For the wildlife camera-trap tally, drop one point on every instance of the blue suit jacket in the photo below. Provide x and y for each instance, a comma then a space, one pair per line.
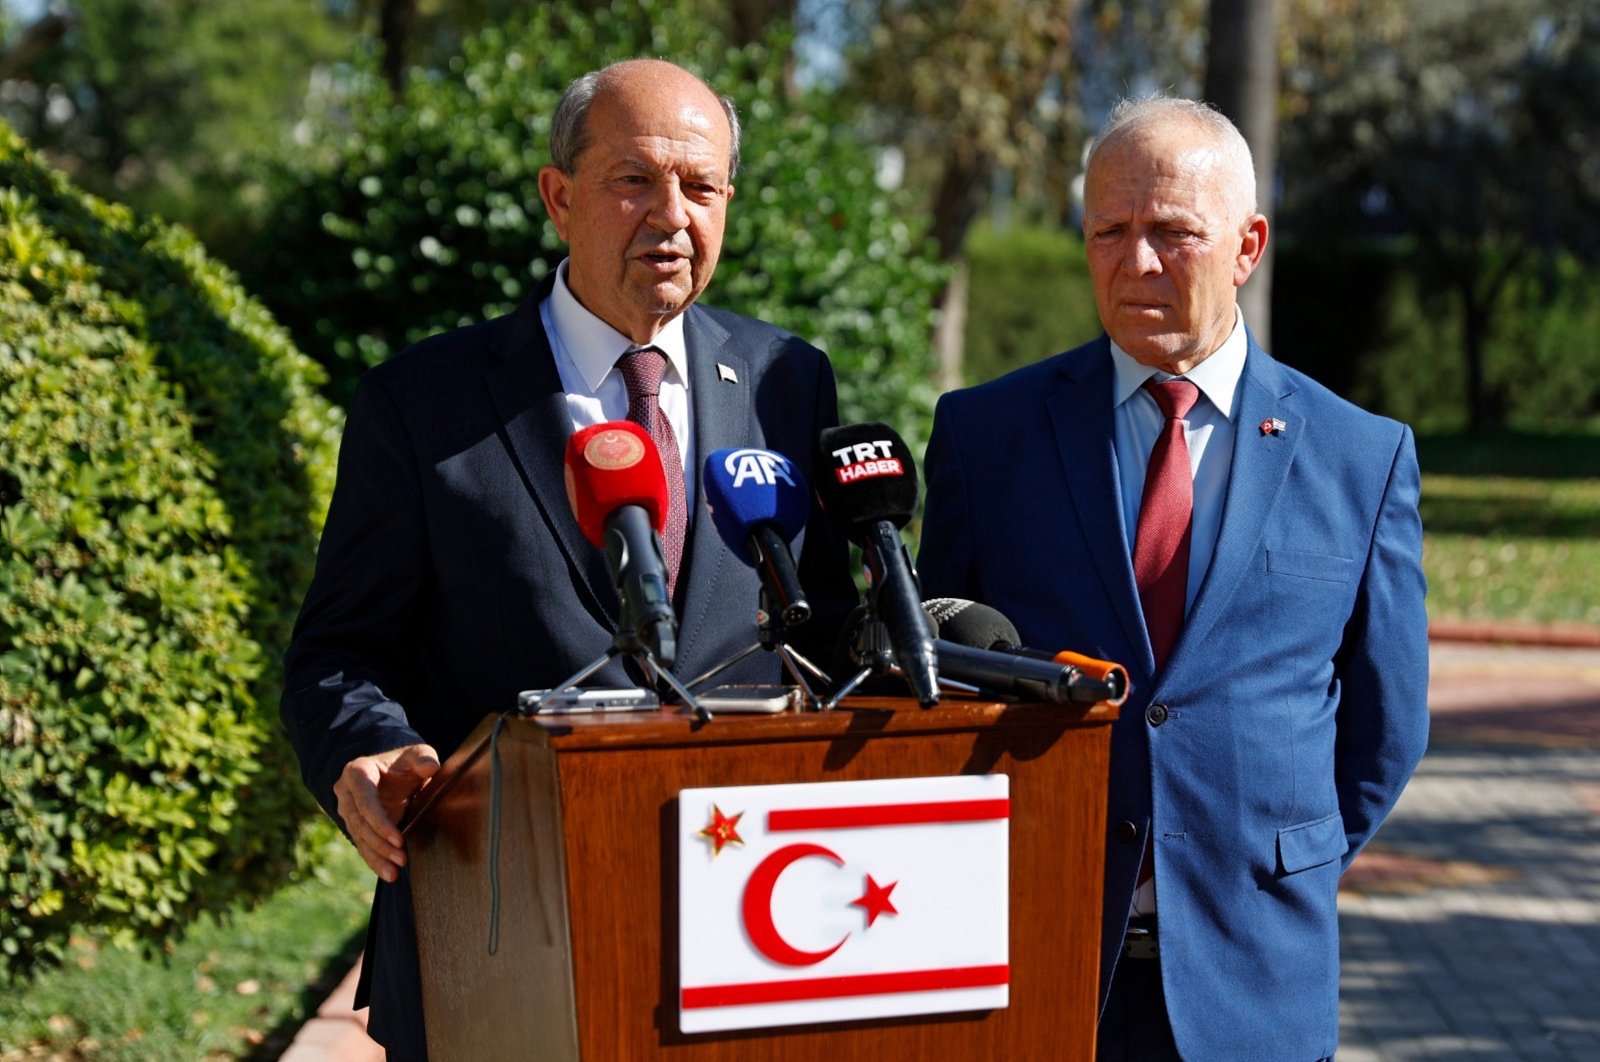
452, 574
1294, 701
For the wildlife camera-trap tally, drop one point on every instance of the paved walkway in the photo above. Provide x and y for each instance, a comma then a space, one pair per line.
1471, 925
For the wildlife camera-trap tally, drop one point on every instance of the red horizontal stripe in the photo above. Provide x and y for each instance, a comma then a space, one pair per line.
836, 987
888, 814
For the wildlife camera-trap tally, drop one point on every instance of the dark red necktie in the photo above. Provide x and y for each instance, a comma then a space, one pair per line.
642, 369
1161, 546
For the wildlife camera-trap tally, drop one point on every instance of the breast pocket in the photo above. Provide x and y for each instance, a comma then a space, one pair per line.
1302, 564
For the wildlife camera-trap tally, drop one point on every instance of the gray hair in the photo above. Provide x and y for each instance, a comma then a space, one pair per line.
1240, 169
569, 126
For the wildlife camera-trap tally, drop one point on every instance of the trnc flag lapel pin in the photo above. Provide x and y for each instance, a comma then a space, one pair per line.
1272, 426
726, 374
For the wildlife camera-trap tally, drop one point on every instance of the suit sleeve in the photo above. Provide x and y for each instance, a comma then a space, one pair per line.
1383, 706
945, 561
343, 662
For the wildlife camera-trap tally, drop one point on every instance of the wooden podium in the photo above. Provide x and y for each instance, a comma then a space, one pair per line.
586, 963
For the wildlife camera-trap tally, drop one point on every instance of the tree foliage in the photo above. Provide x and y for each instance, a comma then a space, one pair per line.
407, 219
160, 103
164, 463
1472, 126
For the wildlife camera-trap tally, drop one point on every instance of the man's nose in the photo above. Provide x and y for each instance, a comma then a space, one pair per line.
1142, 259
670, 211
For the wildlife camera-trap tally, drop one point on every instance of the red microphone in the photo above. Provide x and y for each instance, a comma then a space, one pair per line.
618, 493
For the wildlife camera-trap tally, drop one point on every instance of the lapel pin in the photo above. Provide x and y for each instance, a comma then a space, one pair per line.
726, 373
1272, 426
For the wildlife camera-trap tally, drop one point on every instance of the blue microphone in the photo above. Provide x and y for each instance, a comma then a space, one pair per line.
759, 503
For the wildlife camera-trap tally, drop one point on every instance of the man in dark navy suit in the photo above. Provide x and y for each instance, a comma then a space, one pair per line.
452, 573
1248, 544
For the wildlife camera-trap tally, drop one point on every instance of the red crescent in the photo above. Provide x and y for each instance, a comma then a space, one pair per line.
758, 907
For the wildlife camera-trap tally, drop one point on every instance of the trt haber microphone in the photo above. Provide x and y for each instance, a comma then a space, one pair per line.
867, 481
978, 646
618, 493
759, 503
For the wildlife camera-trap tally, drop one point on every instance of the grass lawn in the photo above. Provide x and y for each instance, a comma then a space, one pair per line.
1511, 526
233, 989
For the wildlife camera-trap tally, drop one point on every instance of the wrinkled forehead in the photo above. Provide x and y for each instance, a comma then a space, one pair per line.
1170, 164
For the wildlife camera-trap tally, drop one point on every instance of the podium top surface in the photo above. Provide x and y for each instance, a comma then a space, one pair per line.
857, 718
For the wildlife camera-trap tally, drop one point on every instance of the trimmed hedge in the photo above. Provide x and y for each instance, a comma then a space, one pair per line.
164, 464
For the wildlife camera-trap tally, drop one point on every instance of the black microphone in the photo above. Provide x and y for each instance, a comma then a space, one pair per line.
867, 481
978, 646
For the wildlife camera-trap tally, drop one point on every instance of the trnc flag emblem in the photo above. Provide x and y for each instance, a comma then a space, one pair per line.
842, 901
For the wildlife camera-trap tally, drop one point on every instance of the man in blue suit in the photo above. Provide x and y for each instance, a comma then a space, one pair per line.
1248, 544
452, 572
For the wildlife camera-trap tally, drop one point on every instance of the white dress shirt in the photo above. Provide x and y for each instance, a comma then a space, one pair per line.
1208, 429
586, 350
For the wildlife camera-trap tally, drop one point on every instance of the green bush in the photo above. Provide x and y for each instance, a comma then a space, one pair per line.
1029, 298
407, 219
164, 463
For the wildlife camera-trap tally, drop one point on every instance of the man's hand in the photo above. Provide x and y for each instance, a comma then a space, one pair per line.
372, 791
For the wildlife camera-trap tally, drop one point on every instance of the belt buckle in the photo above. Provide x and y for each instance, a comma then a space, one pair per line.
1140, 943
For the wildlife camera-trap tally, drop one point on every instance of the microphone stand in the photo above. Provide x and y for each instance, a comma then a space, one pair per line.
873, 652
772, 635
627, 642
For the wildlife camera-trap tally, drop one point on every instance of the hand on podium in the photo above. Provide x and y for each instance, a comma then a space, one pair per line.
372, 791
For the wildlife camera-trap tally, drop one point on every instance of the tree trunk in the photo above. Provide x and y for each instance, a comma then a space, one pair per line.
396, 21
950, 337
1242, 82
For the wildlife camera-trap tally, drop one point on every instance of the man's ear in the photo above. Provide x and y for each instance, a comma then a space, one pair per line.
555, 188
1252, 245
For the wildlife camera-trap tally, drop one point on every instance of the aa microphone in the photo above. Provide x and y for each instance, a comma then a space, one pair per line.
867, 481
978, 646
759, 503
618, 493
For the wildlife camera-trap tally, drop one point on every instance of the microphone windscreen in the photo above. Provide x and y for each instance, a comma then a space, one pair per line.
746, 488
866, 474
971, 624
609, 465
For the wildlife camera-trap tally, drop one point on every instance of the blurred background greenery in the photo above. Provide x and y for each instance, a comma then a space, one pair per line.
359, 174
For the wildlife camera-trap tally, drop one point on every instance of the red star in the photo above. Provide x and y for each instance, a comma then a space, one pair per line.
875, 901
722, 830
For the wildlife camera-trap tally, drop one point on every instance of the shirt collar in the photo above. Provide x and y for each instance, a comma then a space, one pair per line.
1217, 376
594, 346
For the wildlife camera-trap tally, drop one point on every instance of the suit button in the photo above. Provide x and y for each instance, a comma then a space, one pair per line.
1156, 714
1127, 832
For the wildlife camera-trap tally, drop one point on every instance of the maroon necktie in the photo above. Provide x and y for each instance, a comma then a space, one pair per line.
642, 369
1161, 546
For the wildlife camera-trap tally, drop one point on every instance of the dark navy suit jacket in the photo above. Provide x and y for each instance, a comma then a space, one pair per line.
452, 574
1293, 708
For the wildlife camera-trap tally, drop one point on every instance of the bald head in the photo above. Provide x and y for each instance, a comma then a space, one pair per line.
630, 84
1214, 141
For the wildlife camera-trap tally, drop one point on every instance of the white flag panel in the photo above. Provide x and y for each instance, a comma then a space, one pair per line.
837, 901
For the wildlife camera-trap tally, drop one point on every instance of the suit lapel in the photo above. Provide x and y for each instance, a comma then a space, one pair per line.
722, 410
1085, 437
527, 394
1260, 464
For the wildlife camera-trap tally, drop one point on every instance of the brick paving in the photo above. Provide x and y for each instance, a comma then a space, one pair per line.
1471, 925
